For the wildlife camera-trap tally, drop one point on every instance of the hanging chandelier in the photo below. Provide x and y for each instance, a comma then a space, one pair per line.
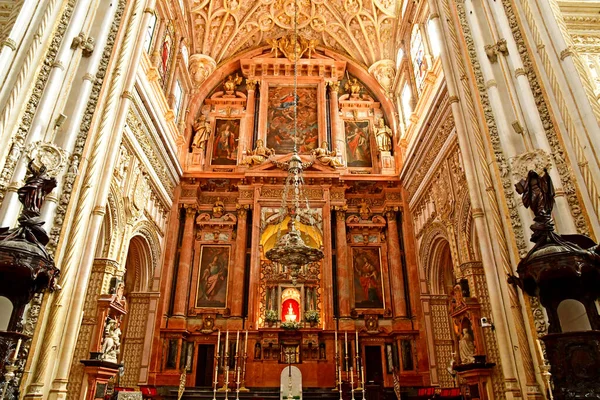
290, 249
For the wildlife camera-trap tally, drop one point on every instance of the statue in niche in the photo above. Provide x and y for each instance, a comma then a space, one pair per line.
202, 131
353, 87
232, 83
383, 134
258, 155
326, 156
119, 295
466, 348
111, 343
257, 350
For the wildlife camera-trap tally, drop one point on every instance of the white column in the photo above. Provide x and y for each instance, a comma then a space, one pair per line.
480, 208
10, 206
562, 214
108, 144
79, 100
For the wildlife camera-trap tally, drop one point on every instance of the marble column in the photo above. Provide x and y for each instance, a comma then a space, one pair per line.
343, 270
237, 269
183, 271
337, 137
395, 266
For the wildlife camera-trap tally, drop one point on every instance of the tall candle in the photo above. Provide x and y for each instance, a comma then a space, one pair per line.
227, 344
336, 343
16, 355
346, 342
237, 340
356, 343
218, 342
246, 344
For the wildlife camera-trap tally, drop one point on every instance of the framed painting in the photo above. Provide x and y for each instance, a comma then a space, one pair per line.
280, 120
358, 146
212, 279
225, 145
368, 285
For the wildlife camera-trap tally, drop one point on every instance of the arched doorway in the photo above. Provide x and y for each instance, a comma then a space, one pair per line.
440, 277
135, 347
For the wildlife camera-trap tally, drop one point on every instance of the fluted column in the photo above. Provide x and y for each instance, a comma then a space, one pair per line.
237, 271
343, 270
395, 266
183, 271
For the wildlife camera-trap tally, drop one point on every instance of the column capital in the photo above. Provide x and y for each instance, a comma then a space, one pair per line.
190, 209
251, 84
390, 212
334, 86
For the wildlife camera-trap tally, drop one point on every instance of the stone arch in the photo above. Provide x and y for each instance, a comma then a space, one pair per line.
432, 234
435, 256
229, 67
143, 252
116, 209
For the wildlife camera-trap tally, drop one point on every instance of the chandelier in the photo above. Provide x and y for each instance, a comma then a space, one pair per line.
290, 250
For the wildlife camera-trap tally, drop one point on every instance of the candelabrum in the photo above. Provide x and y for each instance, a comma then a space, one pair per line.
352, 381
237, 389
338, 378
216, 375
358, 381
244, 388
547, 378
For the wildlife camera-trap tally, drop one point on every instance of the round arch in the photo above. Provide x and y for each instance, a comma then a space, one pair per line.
231, 65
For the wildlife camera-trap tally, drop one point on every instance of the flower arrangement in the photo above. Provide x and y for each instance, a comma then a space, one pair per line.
290, 325
311, 316
271, 316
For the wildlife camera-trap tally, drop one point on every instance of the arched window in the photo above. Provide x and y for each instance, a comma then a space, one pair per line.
150, 29
406, 103
399, 57
417, 55
178, 95
434, 38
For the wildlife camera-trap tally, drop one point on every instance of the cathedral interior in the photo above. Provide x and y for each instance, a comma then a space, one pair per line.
296, 198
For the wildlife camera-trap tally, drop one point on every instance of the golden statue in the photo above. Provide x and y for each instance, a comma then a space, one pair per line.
353, 87
218, 208
232, 83
383, 134
292, 48
326, 157
258, 155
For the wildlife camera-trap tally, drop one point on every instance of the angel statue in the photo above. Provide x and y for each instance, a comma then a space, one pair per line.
202, 131
258, 155
232, 83
326, 157
353, 87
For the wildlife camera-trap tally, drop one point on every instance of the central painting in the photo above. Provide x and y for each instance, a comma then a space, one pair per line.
280, 120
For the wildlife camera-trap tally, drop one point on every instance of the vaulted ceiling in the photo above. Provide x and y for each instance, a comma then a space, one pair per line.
363, 30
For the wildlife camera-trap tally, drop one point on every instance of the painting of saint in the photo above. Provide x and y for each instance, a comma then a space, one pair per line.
358, 147
165, 56
280, 120
368, 288
212, 279
225, 146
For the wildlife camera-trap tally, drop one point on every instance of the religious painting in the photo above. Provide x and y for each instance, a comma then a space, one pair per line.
280, 120
417, 54
225, 145
212, 279
368, 286
358, 146
166, 54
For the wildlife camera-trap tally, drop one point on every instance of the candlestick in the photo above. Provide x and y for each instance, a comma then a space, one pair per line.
356, 342
217, 353
362, 373
246, 343
352, 381
340, 380
346, 342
